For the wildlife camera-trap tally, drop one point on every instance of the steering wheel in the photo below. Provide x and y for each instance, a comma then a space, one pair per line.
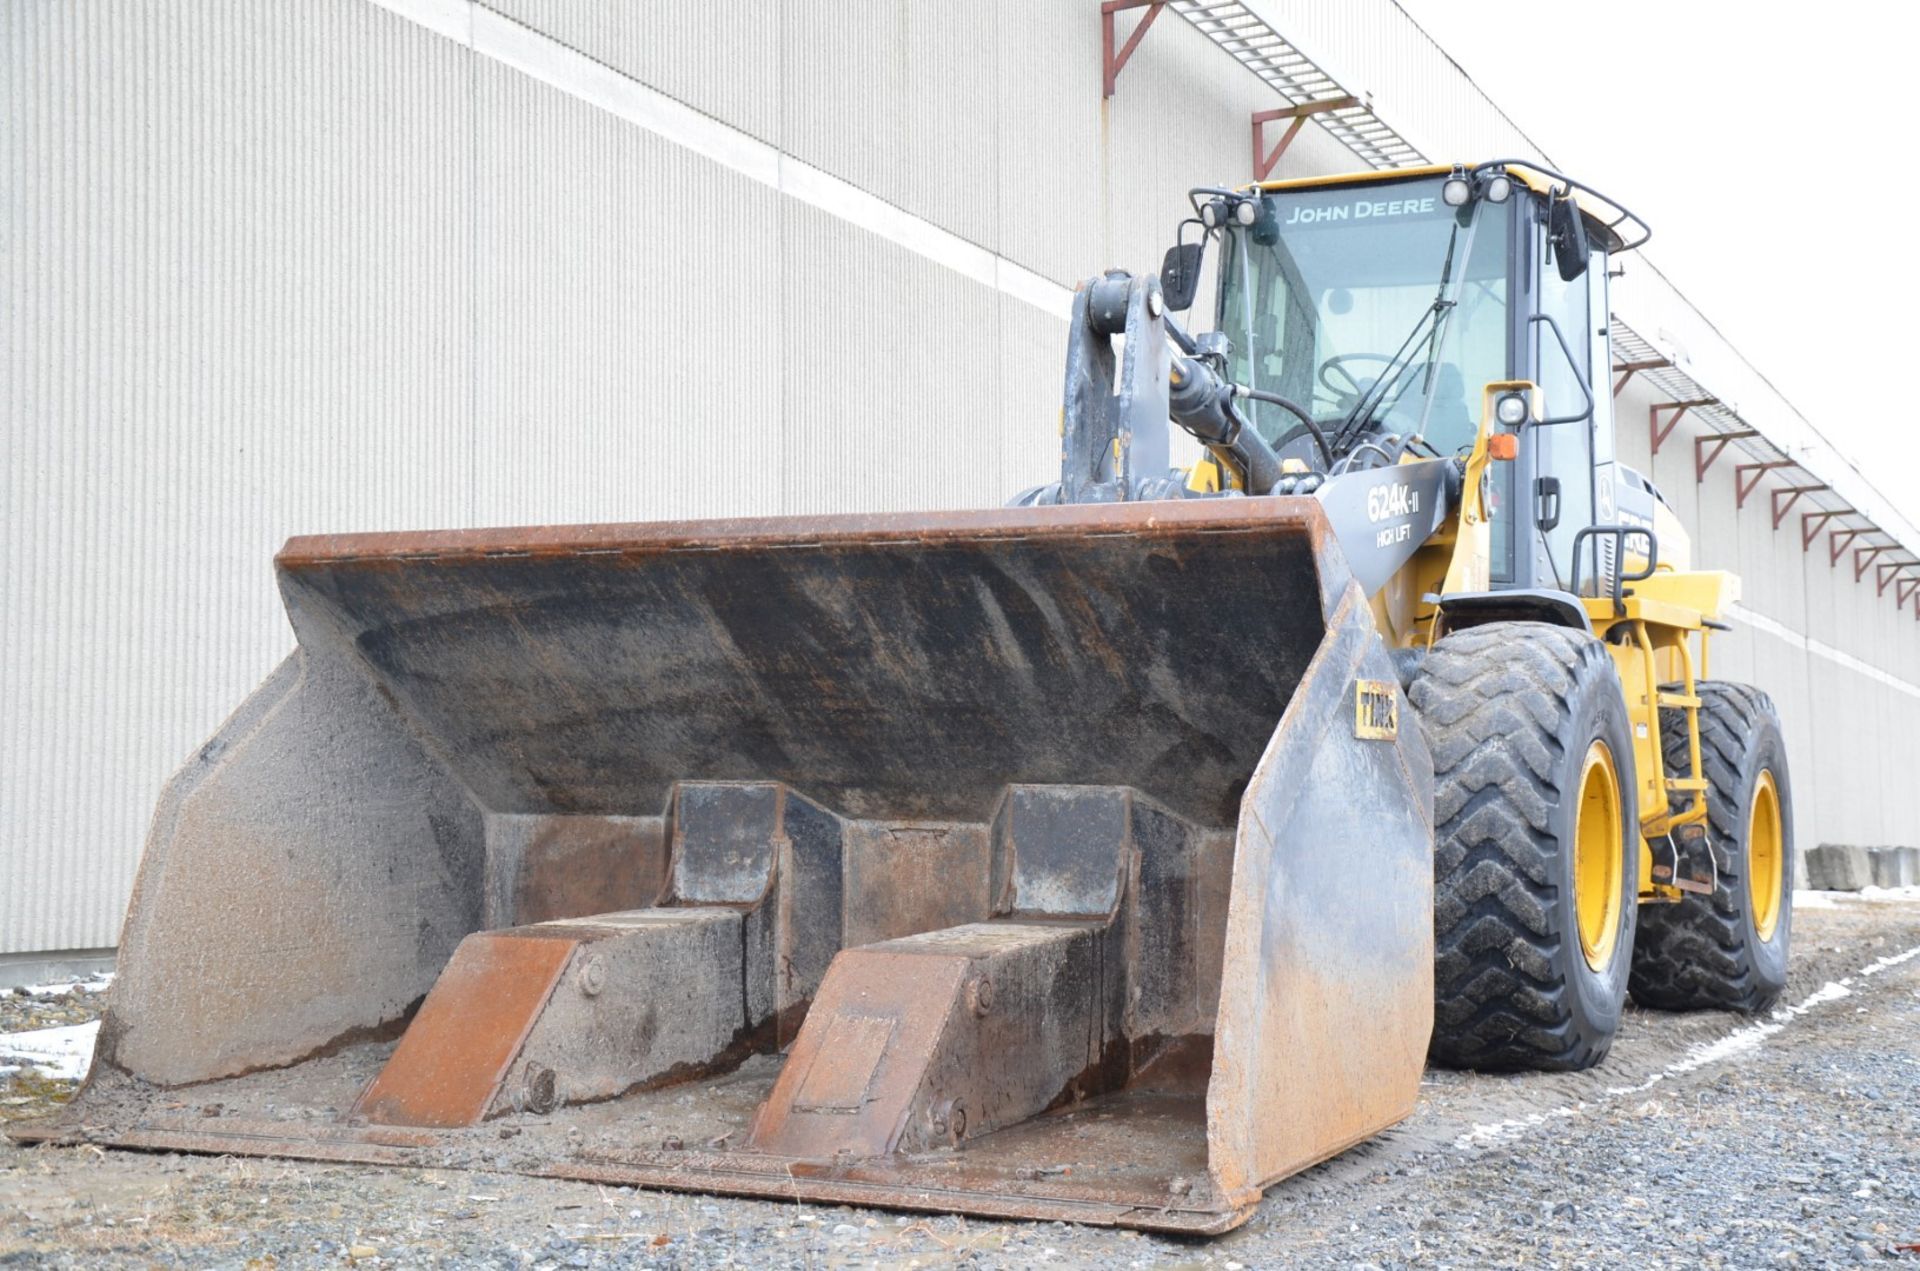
1402, 381
1354, 389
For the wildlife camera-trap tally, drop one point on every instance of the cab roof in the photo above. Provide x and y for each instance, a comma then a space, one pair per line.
1616, 227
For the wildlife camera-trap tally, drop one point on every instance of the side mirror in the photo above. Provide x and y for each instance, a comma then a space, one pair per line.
1568, 235
1180, 274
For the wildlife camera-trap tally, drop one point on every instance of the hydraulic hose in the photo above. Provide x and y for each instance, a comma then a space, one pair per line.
1202, 403
1295, 408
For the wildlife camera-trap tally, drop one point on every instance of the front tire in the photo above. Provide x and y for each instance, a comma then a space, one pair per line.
1536, 851
1727, 951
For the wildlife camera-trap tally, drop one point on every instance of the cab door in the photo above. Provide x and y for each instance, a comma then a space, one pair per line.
1559, 495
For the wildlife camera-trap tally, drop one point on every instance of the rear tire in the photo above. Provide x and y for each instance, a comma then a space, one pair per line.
1727, 951
1516, 714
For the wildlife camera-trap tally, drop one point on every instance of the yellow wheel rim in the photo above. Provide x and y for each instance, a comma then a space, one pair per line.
1766, 856
1598, 857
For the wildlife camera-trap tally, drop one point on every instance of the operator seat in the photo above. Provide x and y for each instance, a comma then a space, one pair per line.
1450, 422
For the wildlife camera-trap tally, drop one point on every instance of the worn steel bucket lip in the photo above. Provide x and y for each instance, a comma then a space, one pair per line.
1239, 515
710, 1172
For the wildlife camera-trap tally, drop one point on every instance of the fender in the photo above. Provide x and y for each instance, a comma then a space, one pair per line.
1475, 608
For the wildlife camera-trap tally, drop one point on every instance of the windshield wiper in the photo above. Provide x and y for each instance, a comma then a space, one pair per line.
1394, 371
1397, 367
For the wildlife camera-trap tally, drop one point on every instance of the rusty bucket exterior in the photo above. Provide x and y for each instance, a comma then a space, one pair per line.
1058, 862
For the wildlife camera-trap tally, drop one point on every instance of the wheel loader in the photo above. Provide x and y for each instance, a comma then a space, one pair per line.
1103, 857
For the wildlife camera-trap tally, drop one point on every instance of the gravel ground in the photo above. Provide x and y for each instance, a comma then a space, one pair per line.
1705, 1140
26, 1091
48, 1006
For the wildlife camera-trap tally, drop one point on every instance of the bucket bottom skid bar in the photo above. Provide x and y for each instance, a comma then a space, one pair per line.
1065, 862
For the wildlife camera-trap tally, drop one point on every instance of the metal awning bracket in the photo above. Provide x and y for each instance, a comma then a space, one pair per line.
1703, 458
1305, 85
1863, 557
1112, 61
1627, 370
1264, 160
1838, 542
1792, 493
1744, 486
1811, 523
1657, 433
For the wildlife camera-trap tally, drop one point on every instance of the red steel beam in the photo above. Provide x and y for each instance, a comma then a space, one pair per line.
1702, 460
1837, 544
1742, 487
1887, 571
1264, 160
1112, 63
1654, 431
1863, 557
1793, 493
1904, 589
1627, 370
1811, 523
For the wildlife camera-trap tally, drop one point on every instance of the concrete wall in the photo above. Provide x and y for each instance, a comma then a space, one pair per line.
351, 264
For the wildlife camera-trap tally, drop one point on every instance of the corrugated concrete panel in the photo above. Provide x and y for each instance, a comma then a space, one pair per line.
1032, 373
891, 393
898, 98
949, 116
1771, 578
628, 339
1052, 214
233, 264
719, 56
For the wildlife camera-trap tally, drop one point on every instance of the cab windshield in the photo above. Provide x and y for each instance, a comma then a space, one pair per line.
1376, 307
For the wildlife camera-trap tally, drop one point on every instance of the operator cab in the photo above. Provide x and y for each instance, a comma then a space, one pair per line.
1380, 305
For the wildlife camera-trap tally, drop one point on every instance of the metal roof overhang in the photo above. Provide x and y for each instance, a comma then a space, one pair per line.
1309, 89
1753, 455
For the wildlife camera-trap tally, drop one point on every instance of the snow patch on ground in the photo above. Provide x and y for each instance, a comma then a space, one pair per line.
62, 1054
1480, 1134
1891, 960
1738, 1042
1873, 895
1831, 991
60, 988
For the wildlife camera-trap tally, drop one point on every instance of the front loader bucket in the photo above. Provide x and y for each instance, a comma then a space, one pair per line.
1064, 862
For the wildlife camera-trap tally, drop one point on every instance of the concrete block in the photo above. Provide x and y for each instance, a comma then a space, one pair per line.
1838, 867
1895, 866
